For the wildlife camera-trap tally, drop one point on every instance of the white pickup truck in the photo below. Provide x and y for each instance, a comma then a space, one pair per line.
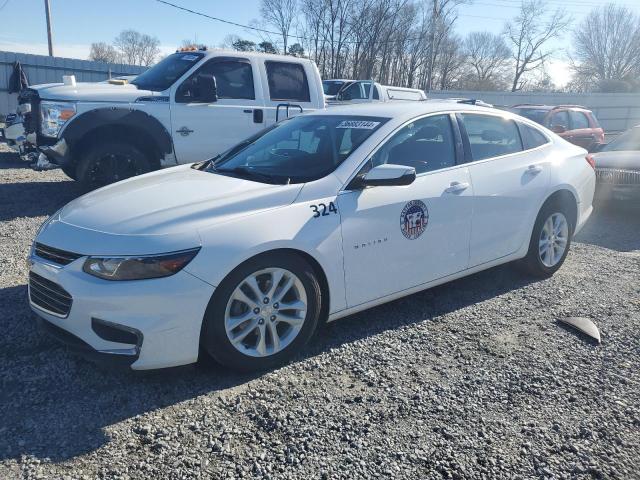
189, 107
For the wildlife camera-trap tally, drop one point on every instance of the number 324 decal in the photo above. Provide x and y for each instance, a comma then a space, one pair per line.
322, 210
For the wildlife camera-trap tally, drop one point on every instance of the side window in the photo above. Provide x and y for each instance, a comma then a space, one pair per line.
426, 144
234, 80
578, 120
532, 137
560, 118
359, 91
491, 136
287, 81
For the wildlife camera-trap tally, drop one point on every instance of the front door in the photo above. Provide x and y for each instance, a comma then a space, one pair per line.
204, 128
398, 237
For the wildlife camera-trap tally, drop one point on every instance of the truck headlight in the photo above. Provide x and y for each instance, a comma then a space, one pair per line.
139, 267
54, 115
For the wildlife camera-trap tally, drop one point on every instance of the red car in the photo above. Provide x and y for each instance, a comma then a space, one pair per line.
574, 123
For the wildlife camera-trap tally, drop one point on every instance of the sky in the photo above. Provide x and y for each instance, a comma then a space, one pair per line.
78, 23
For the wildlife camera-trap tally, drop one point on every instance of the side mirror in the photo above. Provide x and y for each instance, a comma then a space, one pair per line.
558, 128
208, 88
388, 175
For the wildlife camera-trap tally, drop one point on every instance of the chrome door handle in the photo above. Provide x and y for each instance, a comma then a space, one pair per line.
184, 131
457, 187
534, 169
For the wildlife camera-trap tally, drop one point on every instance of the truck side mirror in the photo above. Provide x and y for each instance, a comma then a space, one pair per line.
208, 88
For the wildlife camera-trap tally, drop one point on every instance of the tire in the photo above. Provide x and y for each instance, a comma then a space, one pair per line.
70, 171
543, 262
223, 312
110, 162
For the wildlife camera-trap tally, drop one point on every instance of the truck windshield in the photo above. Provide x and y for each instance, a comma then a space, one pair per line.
299, 150
332, 87
163, 74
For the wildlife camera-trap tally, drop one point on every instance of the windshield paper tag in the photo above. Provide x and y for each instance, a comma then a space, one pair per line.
189, 58
361, 124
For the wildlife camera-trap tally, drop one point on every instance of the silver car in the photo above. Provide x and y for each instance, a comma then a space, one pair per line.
618, 167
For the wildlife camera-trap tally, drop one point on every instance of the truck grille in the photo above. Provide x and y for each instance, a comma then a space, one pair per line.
55, 255
616, 176
49, 296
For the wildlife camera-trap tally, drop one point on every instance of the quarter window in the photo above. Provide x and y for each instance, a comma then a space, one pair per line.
532, 137
426, 144
234, 80
491, 136
287, 81
578, 120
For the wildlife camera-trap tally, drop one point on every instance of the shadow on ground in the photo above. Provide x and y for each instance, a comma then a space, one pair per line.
53, 404
614, 225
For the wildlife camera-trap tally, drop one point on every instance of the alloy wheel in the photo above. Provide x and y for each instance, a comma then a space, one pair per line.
554, 238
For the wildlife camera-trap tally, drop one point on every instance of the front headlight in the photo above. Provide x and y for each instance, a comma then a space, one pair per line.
54, 115
139, 267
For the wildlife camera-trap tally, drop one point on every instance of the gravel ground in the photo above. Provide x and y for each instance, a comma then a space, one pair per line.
473, 379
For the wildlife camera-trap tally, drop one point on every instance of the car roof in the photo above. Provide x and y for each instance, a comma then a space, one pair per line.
550, 107
403, 108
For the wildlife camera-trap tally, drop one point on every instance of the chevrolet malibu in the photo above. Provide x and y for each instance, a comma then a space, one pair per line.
318, 217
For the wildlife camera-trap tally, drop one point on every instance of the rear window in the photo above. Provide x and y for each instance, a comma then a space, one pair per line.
287, 81
491, 136
532, 137
535, 114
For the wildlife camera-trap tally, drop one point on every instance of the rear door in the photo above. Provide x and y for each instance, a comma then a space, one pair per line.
203, 129
398, 237
287, 88
509, 184
581, 132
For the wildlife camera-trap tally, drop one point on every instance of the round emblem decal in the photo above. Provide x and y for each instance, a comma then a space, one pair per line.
414, 219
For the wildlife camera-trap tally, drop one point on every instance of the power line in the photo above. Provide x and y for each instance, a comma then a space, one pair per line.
299, 37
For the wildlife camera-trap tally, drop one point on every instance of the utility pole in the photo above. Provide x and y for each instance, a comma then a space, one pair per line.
432, 40
47, 9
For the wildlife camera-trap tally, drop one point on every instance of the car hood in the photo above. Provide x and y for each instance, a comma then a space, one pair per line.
624, 159
87, 92
159, 212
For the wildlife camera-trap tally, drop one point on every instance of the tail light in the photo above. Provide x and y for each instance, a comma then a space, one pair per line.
591, 160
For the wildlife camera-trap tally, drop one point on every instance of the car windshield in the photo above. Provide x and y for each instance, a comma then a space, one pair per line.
629, 140
535, 114
162, 75
303, 149
332, 87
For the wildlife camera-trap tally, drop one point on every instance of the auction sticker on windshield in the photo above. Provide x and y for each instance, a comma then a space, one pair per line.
362, 124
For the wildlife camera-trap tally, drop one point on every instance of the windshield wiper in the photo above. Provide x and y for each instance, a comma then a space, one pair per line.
245, 170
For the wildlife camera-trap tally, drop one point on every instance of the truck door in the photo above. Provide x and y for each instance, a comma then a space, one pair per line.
289, 83
203, 128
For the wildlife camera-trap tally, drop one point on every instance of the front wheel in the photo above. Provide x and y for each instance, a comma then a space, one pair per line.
109, 162
263, 313
550, 241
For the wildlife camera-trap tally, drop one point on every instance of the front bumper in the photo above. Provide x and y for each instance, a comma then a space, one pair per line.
166, 312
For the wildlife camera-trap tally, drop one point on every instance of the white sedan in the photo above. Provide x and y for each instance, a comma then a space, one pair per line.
316, 218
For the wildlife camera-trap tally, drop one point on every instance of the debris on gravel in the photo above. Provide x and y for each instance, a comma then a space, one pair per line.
473, 379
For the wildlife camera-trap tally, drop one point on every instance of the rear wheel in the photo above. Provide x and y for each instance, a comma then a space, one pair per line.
550, 241
263, 313
110, 162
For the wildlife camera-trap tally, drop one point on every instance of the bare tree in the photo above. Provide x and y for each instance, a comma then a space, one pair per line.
137, 48
449, 62
529, 33
607, 47
487, 56
103, 52
281, 15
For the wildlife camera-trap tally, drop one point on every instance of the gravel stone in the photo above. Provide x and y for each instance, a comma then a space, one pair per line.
473, 379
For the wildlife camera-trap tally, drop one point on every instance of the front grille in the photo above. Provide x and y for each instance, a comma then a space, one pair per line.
55, 255
49, 295
618, 176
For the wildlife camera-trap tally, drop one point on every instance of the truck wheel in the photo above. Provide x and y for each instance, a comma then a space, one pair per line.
263, 313
107, 163
70, 171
